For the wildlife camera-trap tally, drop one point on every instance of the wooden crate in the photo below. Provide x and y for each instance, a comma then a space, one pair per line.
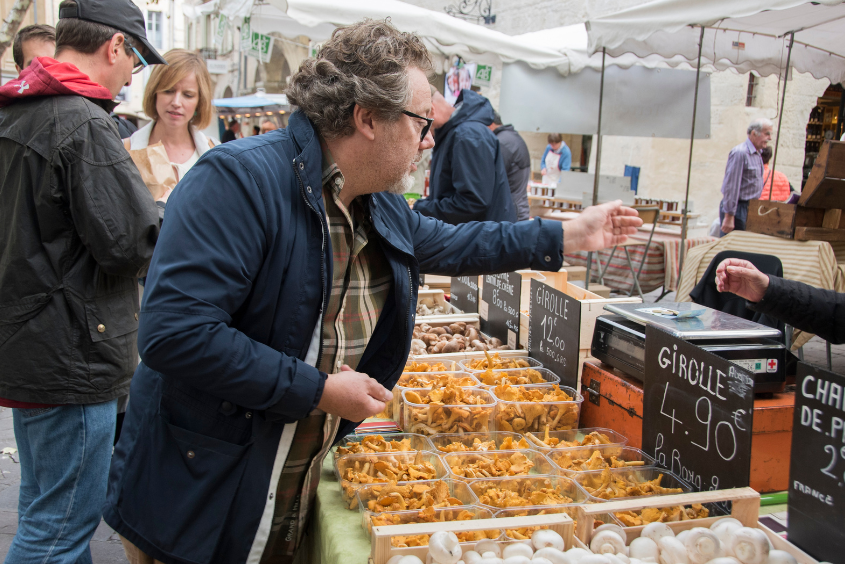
381, 550
745, 508
818, 214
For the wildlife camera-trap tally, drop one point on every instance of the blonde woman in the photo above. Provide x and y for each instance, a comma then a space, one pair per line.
178, 99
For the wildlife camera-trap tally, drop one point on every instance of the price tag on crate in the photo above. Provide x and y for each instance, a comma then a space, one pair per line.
554, 331
501, 295
464, 293
697, 413
817, 469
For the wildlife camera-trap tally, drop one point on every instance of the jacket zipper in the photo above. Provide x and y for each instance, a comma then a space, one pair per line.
322, 263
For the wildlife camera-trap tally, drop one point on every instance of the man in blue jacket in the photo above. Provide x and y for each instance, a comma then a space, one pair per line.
468, 180
279, 306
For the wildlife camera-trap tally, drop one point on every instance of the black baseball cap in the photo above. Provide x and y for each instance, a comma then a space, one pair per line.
119, 14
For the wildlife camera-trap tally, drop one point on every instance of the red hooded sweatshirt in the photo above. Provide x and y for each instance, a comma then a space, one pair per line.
48, 77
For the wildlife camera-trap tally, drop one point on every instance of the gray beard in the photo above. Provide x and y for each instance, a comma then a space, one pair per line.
403, 185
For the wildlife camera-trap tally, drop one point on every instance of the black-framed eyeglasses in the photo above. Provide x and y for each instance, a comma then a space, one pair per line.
426, 127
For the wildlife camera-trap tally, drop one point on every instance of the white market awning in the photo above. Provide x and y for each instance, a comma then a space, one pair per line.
747, 35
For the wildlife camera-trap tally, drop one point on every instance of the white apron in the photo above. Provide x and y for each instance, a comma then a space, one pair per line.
551, 165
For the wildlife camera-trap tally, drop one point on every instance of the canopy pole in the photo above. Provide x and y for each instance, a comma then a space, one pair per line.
685, 219
780, 117
598, 164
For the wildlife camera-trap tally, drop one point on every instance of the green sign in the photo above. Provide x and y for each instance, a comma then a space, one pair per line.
246, 34
261, 47
483, 75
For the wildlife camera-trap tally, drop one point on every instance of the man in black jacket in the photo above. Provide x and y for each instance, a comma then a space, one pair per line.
517, 163
804, 307
77, 228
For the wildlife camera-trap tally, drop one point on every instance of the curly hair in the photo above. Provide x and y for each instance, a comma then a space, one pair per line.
365, 64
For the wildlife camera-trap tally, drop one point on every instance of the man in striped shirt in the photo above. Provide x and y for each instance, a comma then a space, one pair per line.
743, 176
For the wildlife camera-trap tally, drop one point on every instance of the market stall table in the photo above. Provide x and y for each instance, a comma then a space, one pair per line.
660, 268
817, 263
337, 536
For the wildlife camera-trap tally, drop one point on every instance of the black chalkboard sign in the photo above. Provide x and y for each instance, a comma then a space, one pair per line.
697, 413
817, 469
499, 308
464, 293
554, 331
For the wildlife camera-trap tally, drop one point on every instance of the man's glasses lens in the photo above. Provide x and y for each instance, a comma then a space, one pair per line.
142, 63
426, 127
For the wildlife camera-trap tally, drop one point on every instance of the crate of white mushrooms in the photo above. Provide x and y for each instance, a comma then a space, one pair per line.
735, 539
546, 546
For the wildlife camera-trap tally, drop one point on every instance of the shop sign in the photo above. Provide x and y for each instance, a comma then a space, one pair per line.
817, 468
217, 67
261, 47
464, 293
483, 75
246, 34
554, 331
499, 307
313, 49
697, 413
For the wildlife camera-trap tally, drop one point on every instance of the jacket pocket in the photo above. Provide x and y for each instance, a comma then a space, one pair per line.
178, 489
111, 316
14, 315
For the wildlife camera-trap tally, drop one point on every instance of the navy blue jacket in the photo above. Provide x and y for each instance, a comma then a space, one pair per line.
240, 275
468, 181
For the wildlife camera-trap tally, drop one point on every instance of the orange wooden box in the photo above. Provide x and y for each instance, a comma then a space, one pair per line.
615, 401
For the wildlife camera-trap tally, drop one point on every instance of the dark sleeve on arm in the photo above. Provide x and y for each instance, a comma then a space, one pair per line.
473, 180
213, 245
112, 209
810, 309
486, 247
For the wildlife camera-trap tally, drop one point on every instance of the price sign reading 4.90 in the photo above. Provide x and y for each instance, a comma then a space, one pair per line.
499, 308
554, 329
697, 413
464, 293
817, 467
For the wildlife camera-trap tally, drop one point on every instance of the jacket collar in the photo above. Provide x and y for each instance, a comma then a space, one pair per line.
141, 138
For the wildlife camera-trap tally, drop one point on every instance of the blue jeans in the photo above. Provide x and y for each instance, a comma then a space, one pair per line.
65, 454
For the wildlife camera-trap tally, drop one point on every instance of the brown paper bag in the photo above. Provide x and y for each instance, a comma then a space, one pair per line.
155, 168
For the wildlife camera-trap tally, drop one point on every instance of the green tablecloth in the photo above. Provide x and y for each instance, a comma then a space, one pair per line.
338, 537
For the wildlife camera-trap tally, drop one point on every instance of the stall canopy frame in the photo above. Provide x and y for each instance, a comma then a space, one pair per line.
748, 35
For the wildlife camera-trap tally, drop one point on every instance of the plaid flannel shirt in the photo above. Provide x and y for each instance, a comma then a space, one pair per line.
361, 281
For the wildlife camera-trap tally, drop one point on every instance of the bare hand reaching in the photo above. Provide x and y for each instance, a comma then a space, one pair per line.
353, 395
740, 277
600, 227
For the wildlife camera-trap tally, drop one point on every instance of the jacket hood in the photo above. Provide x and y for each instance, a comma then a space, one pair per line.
48, 77
475, 107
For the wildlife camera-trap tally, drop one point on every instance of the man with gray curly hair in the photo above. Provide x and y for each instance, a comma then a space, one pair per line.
279, 307
743, 176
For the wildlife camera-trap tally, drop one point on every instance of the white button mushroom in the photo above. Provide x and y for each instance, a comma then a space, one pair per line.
471, 557
488, 545
724, 560
488, 555
644, 548
490, 559
545, 537
724, 520
656, 531
518, 559
611, 527
540, 560
613, 558
608, 542
682, 535
780, 557
750, 546
409, 560
595, 559
576, 554
725, 532
444, 547
623, 558
395, 559
518, 549
702, 546
553, 555
672, 551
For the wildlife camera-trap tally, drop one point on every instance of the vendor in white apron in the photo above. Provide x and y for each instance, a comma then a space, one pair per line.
556, 158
